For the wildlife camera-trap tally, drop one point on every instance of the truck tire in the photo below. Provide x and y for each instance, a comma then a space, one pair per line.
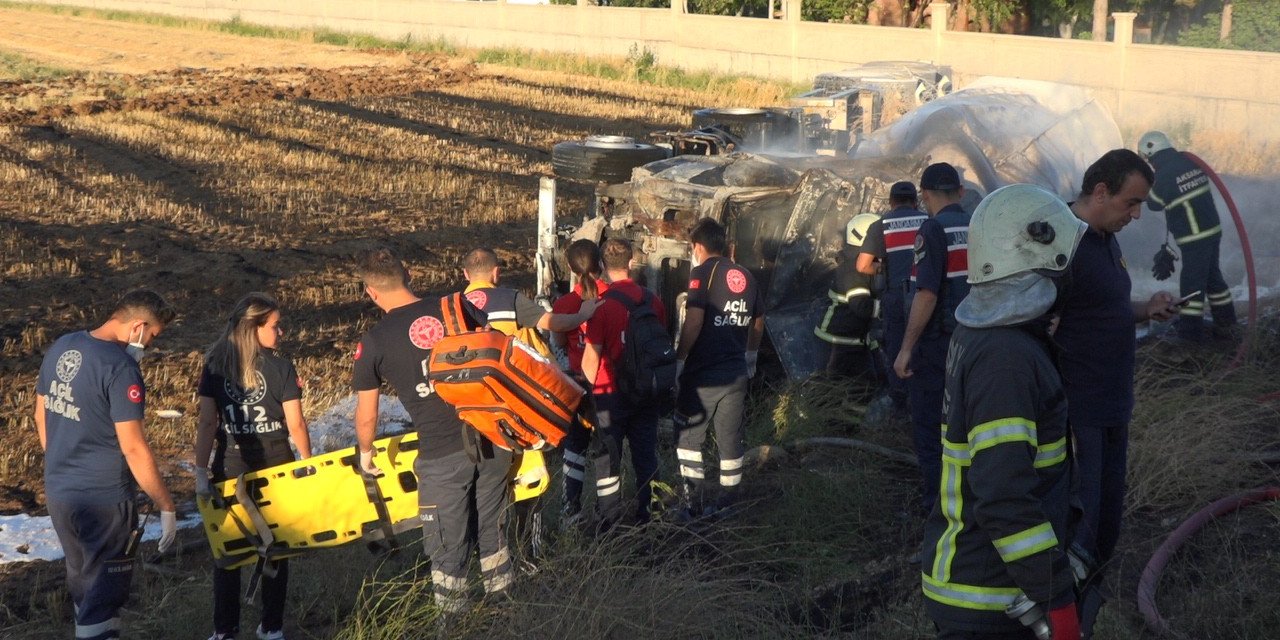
607, 159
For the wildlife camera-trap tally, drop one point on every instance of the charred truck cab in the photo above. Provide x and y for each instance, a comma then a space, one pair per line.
786, 199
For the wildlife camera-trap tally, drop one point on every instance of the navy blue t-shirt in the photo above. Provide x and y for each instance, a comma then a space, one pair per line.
88, 386
1096, 335
730, 299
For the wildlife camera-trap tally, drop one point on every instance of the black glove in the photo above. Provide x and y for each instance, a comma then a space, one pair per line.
1162, 265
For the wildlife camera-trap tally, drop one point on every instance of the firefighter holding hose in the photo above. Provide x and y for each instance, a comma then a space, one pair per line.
1182, 191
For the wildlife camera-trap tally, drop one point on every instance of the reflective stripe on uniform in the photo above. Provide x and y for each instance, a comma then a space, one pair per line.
1207, 233
575, 458
494, 560
1024, 543
448, 582
967, 596
608, 486
1192, 308
842, 298
95, 630
1050, 454
690, 463
498, 582
996, 432
572, 472
1222, 298
731, 472
951, 502
501, 315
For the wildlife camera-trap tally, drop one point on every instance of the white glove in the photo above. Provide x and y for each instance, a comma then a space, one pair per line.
752, 357
367, 465
168, 530
203, 489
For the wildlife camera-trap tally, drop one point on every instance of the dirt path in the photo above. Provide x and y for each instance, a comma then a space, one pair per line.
84, 44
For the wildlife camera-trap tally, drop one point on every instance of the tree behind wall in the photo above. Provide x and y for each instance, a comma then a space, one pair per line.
1255, 25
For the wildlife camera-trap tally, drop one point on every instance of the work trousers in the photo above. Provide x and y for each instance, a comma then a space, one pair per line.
719, 406
895, 325
619, 419
526, 525
230, 461
1200, 272
1101, 456
574, 447
925, 390
94, 539
462, 504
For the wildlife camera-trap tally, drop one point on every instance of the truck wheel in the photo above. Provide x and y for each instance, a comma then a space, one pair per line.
608, 159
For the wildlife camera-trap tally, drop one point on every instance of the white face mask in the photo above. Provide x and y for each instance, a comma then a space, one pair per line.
136, 349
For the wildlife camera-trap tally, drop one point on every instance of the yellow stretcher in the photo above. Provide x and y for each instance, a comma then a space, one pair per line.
325, 501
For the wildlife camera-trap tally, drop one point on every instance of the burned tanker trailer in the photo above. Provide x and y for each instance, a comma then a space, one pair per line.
786, 211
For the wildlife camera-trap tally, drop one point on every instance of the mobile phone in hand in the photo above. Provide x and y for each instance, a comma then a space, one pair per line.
1182, 302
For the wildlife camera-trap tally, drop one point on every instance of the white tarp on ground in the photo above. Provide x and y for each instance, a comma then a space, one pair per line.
999, 131
24, 537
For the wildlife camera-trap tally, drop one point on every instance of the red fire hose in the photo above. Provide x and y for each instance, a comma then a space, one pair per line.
1247, 343
1151, 573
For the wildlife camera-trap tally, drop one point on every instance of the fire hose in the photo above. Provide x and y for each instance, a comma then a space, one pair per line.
1245, 345
1151, 573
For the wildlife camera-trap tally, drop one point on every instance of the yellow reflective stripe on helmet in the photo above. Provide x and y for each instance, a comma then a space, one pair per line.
951, 502
1027, 542
990, 434
968, 596
1051, 454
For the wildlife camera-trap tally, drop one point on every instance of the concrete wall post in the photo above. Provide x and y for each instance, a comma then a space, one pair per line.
939, 15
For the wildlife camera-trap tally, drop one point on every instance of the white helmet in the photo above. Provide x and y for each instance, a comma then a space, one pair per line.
855, 233
1021, 228
1016, 235
1151, 142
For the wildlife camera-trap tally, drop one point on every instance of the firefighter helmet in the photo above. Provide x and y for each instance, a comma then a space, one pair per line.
1021, 228
1152, 142
856, 231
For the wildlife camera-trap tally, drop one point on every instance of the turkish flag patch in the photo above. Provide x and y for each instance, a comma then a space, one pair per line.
359, 350
135, 393
695, 284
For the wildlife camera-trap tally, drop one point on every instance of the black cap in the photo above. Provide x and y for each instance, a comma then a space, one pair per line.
902, 190
940, 177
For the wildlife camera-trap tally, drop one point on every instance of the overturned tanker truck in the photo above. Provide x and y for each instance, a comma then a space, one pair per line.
786, 203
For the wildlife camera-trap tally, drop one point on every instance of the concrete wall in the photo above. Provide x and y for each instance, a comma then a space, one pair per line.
1144, 85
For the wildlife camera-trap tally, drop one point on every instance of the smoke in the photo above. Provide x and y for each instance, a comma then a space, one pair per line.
1257, 199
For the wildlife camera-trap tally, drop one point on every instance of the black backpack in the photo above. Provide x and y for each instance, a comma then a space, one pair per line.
648, 366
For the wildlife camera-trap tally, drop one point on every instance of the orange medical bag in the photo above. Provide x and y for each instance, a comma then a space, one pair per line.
515, 397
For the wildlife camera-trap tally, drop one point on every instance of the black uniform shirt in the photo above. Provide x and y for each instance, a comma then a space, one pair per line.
728, 295
253, 418
398, 350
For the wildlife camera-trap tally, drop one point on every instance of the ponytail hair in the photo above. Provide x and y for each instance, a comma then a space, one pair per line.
235, 355
583, 257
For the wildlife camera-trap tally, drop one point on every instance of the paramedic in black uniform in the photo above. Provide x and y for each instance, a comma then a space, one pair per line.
717, 350
90, 400
461, 476
250, 406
